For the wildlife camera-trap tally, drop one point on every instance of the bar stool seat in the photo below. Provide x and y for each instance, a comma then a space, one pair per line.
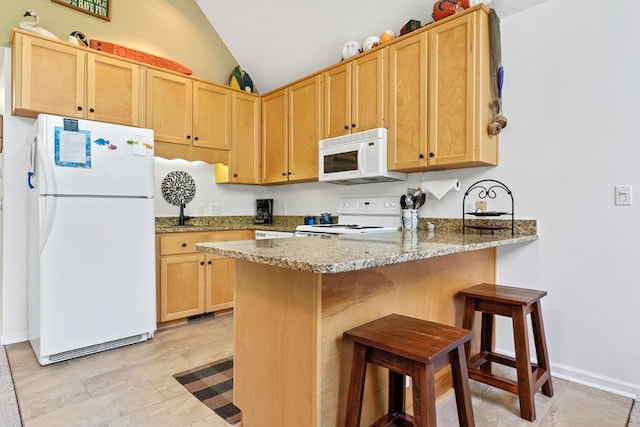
414, 347
491, 300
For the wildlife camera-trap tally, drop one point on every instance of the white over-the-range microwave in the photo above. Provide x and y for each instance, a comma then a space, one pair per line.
357, 158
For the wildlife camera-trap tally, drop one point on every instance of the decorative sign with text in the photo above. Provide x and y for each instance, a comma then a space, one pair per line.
98, 8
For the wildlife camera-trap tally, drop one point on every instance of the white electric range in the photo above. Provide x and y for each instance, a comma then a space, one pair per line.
359, 215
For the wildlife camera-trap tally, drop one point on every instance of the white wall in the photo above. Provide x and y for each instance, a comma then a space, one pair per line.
13, 308
571, 96
572, 91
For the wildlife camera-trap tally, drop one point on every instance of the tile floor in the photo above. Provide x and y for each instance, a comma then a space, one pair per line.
133, 386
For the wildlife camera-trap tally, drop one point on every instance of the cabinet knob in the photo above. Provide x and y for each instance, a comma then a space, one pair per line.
92, 110
421, 156
353, 125
346, 127
284, 174
201, 262
196, 138
432, 154
79, 108
235, 175
290, 173
209, 262
184, 245
188, 136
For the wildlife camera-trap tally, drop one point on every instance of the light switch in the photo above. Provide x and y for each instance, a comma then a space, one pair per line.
623, 195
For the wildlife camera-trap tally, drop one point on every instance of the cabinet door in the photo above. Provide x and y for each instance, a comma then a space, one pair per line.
305, 127
181, 286
169, 101
48, 77
337, 101
368, 94
113, 90
274, 137
219, 283
407, 148
451, 92
211, 116
245, 164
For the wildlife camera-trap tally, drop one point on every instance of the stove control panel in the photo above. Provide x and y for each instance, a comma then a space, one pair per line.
369, 206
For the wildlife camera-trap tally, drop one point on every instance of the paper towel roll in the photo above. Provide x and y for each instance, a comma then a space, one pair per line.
440, 187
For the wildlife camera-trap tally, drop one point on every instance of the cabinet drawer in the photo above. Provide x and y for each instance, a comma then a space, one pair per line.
183, 243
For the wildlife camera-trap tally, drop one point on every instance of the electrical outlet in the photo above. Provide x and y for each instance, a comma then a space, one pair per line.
215, 208
481, 205
623, 195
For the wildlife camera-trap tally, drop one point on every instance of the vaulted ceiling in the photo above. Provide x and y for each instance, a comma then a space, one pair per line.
279, 41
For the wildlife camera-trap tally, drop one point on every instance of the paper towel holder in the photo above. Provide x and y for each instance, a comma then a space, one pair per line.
486, 189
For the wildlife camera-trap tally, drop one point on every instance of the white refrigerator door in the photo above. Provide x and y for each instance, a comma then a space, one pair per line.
83, 157
97, 273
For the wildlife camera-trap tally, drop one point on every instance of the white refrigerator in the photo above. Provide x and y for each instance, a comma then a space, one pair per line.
90, 237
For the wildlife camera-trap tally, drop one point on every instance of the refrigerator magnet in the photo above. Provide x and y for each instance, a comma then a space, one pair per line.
105, 143
72, 148
138, 145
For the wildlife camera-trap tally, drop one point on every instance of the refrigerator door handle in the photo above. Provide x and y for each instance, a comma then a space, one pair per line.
47, 186
48, 216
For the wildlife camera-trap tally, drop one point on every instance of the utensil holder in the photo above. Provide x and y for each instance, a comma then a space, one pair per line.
409, 219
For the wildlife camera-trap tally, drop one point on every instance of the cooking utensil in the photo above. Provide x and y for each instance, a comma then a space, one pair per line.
421, 200
403, 201
409, 201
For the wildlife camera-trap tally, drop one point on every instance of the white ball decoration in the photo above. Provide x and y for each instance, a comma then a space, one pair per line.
370, 42
350, 49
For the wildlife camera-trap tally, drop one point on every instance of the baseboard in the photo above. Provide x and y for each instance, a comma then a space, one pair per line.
591, 379
14, 338
601, 382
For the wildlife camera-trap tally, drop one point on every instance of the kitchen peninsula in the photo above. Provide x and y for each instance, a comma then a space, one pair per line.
295, 297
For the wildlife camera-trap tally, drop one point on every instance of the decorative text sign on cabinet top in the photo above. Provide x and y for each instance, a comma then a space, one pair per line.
99, 8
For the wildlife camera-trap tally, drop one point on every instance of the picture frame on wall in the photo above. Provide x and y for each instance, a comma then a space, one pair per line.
98, 8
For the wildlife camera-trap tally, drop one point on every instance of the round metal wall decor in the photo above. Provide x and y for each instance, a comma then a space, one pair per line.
178, 188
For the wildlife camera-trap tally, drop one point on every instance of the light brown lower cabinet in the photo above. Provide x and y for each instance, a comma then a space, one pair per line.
189, 282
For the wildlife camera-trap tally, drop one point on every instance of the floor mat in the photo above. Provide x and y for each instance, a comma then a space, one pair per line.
212, 384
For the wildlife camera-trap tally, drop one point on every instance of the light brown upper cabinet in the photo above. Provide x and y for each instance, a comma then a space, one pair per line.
440, 95
291, 128
191, 119
355, 95
244, 164
54, 77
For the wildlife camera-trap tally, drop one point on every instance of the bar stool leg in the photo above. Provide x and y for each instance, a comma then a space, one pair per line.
396, 393
468, 318
486, 339
424, 390
461, 387
523, 363
356, 386
541, 347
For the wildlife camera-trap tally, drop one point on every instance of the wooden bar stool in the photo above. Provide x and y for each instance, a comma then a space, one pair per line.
413, 347
515, 303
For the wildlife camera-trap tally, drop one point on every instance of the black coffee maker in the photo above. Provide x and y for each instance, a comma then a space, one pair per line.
264, 211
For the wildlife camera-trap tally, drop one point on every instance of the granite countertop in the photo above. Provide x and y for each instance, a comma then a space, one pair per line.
343, 253
222, 223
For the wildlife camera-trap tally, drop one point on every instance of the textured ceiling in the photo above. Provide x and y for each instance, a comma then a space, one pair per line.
279, 41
